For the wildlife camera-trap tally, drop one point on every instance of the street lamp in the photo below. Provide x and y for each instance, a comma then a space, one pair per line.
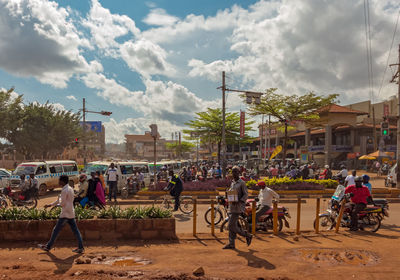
84, 111
251, 96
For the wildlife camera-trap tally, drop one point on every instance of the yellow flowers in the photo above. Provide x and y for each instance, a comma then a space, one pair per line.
286, 181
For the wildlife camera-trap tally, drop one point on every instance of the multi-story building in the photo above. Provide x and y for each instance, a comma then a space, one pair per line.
142, 147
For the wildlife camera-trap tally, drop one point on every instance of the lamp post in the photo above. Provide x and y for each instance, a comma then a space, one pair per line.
251, 96
84, 111
154, 134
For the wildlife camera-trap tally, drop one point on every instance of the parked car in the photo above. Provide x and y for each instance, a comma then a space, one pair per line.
47, 173
5, 176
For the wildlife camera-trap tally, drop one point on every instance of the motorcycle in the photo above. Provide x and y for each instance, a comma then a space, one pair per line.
19, 200
131, 187
369, 219
266, 221
220, 211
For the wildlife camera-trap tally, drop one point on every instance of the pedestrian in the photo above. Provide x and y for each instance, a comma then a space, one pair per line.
140, 179
112, 181
349, 181
236, 208
65, 200
101, 178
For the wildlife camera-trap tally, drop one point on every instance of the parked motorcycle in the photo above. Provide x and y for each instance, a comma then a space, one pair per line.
369, 219
131, 187
19, 200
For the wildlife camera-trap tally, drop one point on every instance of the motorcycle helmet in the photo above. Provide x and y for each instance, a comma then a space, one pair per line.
365, 178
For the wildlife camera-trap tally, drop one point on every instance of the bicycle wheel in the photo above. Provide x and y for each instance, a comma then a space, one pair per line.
242, 223
186, 205
162, 203
31, 203
217, 218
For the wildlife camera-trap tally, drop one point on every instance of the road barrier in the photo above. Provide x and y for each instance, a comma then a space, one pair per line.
340, 215
253, 217
317, 216
194, 216
275, 217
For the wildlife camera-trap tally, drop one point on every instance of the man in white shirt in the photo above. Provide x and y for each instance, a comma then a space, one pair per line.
66, 201
112, 181
265, 199
343, 172
349, 181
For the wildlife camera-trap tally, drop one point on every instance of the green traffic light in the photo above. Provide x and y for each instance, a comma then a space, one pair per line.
385, 132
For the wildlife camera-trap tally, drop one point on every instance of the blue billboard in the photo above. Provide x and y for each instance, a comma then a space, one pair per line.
94, 126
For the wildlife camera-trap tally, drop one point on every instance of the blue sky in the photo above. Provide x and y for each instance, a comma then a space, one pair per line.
161, 61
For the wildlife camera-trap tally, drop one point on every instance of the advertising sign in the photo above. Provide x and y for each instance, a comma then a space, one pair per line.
242, 123
94, 126
386, 110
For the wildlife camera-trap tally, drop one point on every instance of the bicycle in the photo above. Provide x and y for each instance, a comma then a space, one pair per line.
186, 204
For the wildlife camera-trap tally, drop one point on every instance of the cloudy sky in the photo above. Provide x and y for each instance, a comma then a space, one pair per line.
161, 61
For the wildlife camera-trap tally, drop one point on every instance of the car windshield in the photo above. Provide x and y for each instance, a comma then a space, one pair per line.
158, 168
25, 169
96, 167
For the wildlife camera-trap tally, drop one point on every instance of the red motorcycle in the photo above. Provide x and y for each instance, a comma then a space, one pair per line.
17, 199
265, 222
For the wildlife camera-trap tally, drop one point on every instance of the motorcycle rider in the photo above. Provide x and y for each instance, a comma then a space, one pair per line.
264, 199
24, 186
343, 172
367, 183
360, 196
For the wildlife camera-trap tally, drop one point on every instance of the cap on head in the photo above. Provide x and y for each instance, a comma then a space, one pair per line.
261, 184
358, 179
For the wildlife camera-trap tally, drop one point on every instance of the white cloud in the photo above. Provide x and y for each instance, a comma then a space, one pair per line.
41, 41
71, 97
106, 27
159, 17
146, 58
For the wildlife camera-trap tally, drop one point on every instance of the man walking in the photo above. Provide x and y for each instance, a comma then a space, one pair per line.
238, 187
65, 200
112, 181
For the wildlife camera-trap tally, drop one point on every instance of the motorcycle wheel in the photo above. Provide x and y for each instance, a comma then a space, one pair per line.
217, 216
3, 203
242, 223
371, 223
270, 224
325, 223
32, 204
124, 193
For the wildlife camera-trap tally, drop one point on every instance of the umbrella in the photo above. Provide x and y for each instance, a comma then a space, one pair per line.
379, 154
367, 157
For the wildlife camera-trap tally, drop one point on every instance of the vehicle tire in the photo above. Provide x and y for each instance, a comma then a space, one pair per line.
218, 216
186, 205
162, 203
124, 194
242, 223
371, 223
3, 203
33, 204
325, 223
280, 224
42, 189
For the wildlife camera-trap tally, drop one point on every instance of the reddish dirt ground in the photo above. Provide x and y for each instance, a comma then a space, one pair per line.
345, 255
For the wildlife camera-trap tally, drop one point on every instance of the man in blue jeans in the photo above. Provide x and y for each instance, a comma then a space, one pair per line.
66, 201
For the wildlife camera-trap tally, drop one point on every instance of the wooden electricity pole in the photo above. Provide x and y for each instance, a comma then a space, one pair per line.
396, 76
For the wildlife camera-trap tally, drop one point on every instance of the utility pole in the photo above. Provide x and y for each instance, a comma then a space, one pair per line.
266, 140
223, 144
261, 137
397, 76
269, 136
84, 131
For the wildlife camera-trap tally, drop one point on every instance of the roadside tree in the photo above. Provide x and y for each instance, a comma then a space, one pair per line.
182, 148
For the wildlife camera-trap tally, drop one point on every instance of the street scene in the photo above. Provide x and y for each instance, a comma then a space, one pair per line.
188, 140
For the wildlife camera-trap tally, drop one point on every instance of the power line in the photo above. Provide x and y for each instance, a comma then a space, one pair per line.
390, 50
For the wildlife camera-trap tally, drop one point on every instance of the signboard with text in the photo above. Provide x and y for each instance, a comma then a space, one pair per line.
242, 124
92, 126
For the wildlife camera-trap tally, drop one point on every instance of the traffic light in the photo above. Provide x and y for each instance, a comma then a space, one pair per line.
76, 141
105, 113
385, 129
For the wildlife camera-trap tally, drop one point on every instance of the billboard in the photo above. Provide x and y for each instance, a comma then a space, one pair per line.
94, 126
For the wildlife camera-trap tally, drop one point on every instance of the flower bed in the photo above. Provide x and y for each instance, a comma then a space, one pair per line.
110, 224
208, 185
286, 183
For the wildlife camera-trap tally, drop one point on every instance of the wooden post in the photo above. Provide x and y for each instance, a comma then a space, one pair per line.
298, 215
339, 218
212, 218
194, 216
275, 217
253, 217
317, 216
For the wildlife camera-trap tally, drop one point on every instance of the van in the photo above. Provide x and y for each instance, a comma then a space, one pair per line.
47, 173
